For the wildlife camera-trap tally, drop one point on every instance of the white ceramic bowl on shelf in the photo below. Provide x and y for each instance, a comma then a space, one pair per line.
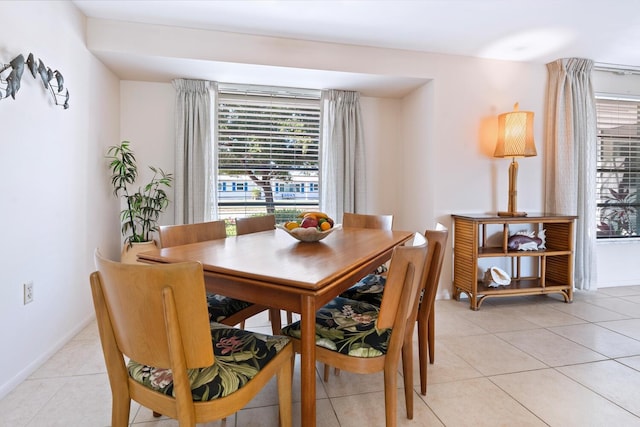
308, 234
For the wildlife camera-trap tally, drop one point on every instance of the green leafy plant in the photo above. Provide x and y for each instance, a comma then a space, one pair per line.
618, 213
144, 206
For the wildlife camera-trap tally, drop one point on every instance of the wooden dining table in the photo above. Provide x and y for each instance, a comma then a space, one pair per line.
272, 268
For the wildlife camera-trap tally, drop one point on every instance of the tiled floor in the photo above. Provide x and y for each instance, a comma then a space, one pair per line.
524, 361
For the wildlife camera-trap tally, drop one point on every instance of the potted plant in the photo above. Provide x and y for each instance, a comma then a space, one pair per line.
142, 207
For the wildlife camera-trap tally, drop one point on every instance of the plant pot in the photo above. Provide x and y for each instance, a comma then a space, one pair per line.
130, 253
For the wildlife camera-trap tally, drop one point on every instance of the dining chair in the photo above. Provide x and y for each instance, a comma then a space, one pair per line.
371, 290
255, 224
229, 311
161, 350
383, 222
364, 338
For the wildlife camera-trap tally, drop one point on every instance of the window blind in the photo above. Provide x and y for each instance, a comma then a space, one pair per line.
618, 167
268, 151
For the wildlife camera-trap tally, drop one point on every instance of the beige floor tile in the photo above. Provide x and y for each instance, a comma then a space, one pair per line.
560, 401
24, 402
599, 339
578, 295
632, 362
629, 328
477, 403
620, 291
589, 312
610, 379
491, 355
263, 416
494, 319
543, 315
550, 348
77, 357
448, 367
452, 323
632, 298
325, 414
368, 409
445, 305
348, 383
619, 305
81, 401
90, 332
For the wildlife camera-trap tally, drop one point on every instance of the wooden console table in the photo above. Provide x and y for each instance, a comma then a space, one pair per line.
554, 264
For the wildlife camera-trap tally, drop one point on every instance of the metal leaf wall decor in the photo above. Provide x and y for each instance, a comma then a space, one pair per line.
11, 74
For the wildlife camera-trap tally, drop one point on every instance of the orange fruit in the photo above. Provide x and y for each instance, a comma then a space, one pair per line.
325, 226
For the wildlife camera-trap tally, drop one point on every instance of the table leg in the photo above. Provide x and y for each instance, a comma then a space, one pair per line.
308, 360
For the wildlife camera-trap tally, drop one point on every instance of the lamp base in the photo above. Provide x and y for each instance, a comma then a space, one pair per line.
512, 214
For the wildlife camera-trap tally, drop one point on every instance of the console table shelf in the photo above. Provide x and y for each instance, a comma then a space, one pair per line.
554, 270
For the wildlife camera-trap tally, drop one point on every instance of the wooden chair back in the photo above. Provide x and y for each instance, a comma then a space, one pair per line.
383, 222
437, 242
403, 284
255, 224
154, 314
176, 235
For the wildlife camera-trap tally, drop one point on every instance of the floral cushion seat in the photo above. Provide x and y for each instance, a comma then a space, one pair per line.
349, 327
221, 307
369, 289
239, 356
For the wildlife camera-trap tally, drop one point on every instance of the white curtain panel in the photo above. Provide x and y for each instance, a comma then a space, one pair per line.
570, 158
343, 183
194, 153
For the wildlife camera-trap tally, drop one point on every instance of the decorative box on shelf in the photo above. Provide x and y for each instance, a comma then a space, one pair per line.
550, 264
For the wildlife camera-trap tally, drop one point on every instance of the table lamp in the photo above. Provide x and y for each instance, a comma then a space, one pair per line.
515, 139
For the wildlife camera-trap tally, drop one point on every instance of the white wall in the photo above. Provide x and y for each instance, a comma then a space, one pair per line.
56, 201
147, 121
383, 143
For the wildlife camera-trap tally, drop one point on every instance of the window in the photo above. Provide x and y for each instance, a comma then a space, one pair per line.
268, 151
618, 167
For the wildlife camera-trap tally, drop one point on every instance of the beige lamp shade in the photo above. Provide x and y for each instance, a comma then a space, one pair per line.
515, 134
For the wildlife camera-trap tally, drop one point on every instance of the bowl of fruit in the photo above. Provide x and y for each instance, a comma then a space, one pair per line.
310, 226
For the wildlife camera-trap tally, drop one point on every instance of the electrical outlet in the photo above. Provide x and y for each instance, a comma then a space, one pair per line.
28, 292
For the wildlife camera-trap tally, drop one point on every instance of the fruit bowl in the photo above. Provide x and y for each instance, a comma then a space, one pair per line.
308, 234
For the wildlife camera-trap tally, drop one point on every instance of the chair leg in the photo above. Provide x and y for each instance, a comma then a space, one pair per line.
276, 321
242, 325
325, 374
422, 354
289, 317
407, 374
432, 335
120, 410
156, 414
390, 396
285, 380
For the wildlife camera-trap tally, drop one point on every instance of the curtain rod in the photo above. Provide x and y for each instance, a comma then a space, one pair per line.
617, 69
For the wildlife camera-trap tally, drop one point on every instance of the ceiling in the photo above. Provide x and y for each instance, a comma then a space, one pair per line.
607, 31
